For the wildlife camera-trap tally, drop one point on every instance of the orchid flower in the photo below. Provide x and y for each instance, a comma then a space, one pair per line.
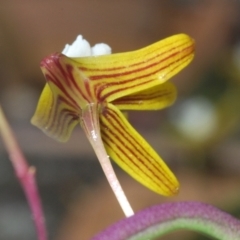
156, 221
93, 91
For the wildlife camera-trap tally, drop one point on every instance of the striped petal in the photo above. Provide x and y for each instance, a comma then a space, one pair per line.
64, 97
54, 116
156, 221
133, 154
154, 98
117, 75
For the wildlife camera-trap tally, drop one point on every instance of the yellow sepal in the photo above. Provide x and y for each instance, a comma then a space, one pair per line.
133, 154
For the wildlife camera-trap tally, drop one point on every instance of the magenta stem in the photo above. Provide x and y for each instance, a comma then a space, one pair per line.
25, 175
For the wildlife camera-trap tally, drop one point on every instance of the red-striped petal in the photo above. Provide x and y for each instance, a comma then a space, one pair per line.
117, 75
54, 115
132, 153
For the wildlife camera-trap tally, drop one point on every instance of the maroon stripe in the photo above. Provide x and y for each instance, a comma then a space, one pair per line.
105, 76
66, 118
97, 69
135, 101
141, 97
103, 98
64, 74
50, 123
73, 81
61, 87
57, 114
67, 76
87, 87
65, 100
59, 118
54, 116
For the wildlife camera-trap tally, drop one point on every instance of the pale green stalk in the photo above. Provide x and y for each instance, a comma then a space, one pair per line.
90, 123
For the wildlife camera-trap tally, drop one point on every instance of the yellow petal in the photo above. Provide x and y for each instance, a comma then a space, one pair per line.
54, 116
133, 154
117, 75
154, 98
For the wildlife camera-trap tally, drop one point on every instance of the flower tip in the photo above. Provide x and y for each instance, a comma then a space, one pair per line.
189, 49
189, 40
171, 192
49, 60
192, 43
175, 191
184, 35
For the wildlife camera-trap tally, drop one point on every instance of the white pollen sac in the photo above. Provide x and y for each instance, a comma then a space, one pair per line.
101, 49
81, 48
196, 118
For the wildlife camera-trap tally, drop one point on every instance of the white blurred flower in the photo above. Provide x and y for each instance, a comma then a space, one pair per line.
236, 55
81, 48
196, 118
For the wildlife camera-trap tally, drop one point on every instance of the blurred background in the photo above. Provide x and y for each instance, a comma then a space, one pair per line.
199, 136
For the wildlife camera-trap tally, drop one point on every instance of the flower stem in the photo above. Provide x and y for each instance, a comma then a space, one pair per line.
112, 179
90, 124
25, 175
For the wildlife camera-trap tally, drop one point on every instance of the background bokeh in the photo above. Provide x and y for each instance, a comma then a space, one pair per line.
199, 137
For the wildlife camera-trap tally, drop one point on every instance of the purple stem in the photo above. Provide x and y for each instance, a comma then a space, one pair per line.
161, 219
25, 175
